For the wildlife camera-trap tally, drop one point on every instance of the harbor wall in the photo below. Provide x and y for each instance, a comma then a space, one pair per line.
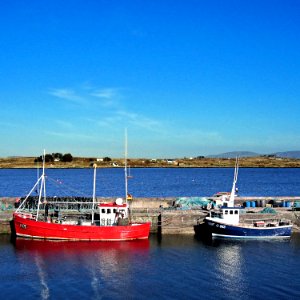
166, 218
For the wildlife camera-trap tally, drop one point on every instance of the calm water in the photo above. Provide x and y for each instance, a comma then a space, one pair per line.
175, 267
157, 182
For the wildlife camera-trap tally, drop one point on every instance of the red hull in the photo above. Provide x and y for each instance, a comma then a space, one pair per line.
31, 228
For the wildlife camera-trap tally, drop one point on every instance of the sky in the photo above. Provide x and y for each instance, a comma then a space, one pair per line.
185, 77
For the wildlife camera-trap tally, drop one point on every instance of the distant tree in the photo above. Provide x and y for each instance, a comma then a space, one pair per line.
38, 159
106, 159
67, 157
57, 156
48, 158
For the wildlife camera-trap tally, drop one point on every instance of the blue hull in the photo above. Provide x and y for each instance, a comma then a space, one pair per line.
218, 229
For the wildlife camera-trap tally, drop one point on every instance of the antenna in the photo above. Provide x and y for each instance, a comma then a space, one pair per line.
125, 169
94, 193
235, 177
42, 187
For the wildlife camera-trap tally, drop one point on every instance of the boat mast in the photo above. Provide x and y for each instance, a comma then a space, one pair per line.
42, 188
37, 174
94, 193
235, 177
125, 168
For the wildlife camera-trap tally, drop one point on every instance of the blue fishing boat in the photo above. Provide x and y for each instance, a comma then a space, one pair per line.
226, 222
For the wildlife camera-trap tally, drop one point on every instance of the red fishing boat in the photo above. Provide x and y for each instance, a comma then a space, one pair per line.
31, 226
99, 221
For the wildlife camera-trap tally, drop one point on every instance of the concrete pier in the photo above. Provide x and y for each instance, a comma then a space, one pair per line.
167, 219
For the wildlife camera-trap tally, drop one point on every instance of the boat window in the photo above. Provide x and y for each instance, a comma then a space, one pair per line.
236, 212
226, 212
109, 222
108, 210
115, 210
103, 210
216, 215
231, 212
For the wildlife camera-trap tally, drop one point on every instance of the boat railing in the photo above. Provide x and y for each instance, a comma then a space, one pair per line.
266, 222
264, 219
62, 205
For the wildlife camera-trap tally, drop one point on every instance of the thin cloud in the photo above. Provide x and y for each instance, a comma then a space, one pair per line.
110, 121
113, 112
141, 121
67, 94
108, 96
105, 93
123, 118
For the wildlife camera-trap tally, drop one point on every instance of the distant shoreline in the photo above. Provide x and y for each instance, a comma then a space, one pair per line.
83, 162
152, 167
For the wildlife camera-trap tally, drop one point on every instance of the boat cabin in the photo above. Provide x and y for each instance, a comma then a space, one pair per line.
113, 213
230, 215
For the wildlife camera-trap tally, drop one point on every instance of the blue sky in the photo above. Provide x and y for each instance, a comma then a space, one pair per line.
186, 78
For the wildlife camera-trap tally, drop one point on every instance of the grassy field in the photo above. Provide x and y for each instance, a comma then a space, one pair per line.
83, 162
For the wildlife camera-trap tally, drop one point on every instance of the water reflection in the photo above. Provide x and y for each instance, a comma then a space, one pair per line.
42, 276
99, 263
229, 266
240, 265
51, 248
173, 267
